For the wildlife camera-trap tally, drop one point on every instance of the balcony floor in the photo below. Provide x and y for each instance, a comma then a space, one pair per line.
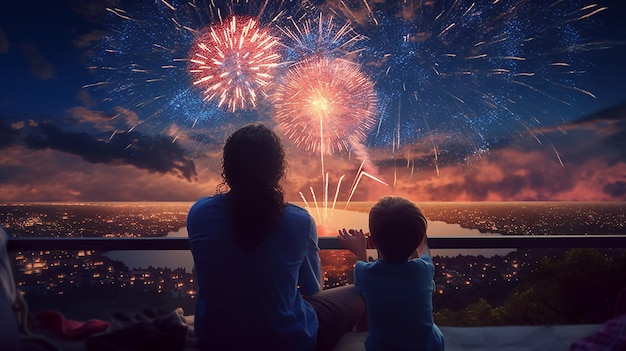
504, 338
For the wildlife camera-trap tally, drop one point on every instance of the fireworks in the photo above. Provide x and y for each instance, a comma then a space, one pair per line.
463, 72
450, 76
324, 104
232, 62
321, 36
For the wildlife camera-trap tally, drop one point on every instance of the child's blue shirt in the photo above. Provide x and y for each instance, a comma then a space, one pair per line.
398, 297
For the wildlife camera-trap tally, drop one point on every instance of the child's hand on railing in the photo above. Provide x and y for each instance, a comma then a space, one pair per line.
355, 241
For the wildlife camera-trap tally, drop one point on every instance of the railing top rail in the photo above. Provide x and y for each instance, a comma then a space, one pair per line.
327, 243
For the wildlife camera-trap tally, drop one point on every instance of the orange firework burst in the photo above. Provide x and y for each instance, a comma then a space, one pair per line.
233, 62
325, 104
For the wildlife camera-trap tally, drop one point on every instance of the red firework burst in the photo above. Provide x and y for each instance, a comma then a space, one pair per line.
324, 104
233, 61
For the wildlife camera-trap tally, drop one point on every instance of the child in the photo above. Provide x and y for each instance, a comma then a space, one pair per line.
397, 288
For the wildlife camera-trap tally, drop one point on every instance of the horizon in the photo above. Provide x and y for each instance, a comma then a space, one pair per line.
543, 217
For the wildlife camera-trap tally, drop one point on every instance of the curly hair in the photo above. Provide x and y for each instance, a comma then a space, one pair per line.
253, 164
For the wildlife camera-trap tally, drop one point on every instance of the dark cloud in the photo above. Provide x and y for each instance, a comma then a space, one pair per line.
156, 154
87, 39
580, 160
616, 190
8, 135
599, 135
616, 142
40, 67
9, 173
92, 10
546, 181
422, 155
99, 119
615, 113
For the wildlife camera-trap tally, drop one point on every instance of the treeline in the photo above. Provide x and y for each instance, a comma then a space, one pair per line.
578, 287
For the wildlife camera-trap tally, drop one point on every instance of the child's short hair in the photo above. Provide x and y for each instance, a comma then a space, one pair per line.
398, 227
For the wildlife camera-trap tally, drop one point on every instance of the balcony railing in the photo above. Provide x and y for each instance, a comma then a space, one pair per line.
456, 290
327, 243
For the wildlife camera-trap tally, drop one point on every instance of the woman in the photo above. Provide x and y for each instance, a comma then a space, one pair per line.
256, 259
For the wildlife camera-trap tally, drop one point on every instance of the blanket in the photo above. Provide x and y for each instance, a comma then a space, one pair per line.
141, 333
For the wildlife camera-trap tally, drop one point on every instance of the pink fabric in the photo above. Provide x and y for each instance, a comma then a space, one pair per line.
69, 329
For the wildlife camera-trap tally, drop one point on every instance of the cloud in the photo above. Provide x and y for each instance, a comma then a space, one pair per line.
603, 133
514, 175
615, 113
584, 160
602, 123
362, 154
99, 119
86, 98
93, 10
40, 67
8, 135
87, 39
128, 116
156, 154
49, 175
123, 119
177, 133
616, 189
4, 42
60, 165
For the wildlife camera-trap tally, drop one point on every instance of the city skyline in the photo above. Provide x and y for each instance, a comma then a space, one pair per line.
83, 282
479, 102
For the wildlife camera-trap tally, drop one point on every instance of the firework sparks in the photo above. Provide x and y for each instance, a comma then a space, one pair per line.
471, 69
321, 36
323, 217
233, 61
324, 104
450, 76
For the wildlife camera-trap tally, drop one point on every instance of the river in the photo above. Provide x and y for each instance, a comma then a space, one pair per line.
339, 219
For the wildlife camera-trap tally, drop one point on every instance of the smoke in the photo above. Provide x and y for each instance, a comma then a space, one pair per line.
360, 151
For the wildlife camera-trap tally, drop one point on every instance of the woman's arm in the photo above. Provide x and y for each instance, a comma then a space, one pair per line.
311, 275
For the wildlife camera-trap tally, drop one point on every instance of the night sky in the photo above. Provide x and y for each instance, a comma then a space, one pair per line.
485, 100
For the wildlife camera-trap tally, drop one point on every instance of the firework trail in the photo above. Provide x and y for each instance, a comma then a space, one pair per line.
323, 104
361, 153
473, 69
198, 64
142, 63
447, 76
323, 217
233, 61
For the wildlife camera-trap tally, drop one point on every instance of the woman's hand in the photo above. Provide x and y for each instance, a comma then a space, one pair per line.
355, 241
